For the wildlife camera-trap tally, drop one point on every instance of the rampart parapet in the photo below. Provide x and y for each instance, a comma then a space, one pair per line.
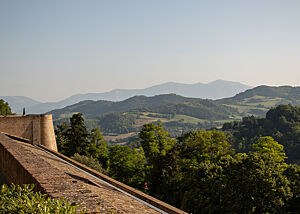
38, 129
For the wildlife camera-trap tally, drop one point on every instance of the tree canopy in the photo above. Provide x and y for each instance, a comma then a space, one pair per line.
199, 172
75, 139
281, 123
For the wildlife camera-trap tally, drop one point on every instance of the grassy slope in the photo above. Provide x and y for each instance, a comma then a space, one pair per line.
259, 100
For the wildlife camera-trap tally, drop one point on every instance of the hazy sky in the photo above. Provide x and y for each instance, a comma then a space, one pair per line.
52, 49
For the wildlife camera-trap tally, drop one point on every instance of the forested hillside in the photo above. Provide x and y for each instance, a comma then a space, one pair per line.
282, 123
179, 114
95, 108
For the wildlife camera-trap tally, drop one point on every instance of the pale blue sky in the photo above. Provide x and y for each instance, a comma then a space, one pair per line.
52, 49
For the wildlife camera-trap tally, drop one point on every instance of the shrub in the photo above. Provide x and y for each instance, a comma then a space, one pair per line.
22, 199
89, 162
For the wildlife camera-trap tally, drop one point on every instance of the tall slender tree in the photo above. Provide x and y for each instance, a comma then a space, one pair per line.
77, 137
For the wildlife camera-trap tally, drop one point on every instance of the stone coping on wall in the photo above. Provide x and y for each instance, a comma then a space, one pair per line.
26, 115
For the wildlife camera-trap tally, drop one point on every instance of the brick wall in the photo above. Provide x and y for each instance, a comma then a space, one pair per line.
38, 129
10, 166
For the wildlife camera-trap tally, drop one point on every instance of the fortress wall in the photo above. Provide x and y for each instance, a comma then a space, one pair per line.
47, 132
11, 166
22, 163
38, 129
17, 125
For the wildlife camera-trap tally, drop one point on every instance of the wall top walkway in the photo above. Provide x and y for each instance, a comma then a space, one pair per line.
57, 179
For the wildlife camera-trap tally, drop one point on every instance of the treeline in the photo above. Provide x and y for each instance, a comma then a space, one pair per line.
201, 109
117, 122
282, 123
199, 172
176, 128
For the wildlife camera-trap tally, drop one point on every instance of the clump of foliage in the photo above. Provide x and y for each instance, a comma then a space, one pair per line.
4, 108
22, 199
89, 162
127, 165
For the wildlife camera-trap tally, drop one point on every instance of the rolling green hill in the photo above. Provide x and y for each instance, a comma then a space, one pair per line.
178, 114
166, 104
259, 100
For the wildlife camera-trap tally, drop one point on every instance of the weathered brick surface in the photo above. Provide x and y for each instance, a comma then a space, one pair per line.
24, 163
153, 201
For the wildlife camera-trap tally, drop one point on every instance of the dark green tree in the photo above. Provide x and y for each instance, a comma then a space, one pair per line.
4, 108
77, 137
205, 145
202, 157
292, 172
253, 183
156, 144
127, 165
98, 147
61, 137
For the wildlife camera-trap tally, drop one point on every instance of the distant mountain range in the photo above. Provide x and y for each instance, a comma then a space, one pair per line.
177, 113
255, 101
17, 103
214, 90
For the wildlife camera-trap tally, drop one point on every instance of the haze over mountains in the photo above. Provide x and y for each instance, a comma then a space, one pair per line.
178, 114
214, 90
256, 101
17, 103
155, 103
